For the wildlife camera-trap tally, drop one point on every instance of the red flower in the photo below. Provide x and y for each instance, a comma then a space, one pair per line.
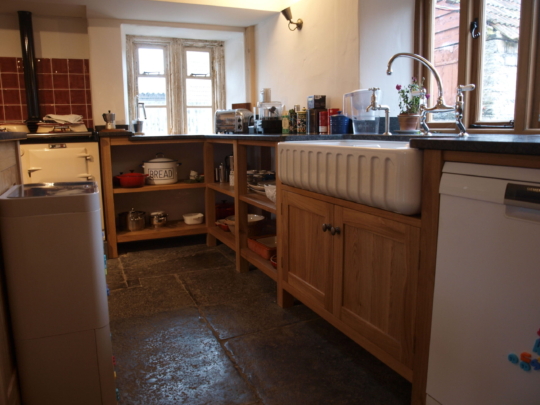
398, 87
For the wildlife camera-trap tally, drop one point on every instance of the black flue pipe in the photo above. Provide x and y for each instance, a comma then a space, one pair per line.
29, 63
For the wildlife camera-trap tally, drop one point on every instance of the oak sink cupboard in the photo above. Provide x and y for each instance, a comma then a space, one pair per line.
356, 266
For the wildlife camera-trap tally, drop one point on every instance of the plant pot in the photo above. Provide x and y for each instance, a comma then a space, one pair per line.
408, 122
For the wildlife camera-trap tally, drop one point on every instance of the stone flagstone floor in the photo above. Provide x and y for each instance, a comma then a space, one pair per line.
188, 329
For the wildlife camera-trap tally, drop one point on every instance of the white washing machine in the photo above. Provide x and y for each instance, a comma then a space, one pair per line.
56, 288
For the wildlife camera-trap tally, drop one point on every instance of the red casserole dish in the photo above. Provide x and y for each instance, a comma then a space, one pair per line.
129, 180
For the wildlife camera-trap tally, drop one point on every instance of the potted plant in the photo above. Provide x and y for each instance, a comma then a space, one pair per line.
410, 100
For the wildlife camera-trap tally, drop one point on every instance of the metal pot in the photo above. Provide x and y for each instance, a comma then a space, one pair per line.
161, 170
158, 218
135, 220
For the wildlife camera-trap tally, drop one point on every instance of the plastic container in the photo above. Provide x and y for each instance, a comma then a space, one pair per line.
340, 124
355, 104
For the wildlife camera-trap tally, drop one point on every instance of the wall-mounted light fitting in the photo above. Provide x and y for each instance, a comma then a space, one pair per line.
288, 16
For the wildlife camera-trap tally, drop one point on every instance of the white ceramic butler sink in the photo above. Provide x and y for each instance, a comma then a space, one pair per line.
382, 174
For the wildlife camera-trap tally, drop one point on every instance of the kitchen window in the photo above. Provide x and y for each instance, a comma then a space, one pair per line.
492, 44
178, 84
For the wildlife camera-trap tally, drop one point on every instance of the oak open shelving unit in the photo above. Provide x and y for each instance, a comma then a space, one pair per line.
243, 199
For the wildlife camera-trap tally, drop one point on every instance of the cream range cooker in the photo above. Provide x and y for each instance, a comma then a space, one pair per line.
60, 159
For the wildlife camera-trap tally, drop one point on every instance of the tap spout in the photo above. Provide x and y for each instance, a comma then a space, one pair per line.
441, 105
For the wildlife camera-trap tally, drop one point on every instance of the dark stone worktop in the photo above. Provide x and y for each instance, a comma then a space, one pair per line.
272, 137
489, 143
507, 144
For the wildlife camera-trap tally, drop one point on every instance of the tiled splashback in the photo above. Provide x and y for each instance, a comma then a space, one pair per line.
63, 88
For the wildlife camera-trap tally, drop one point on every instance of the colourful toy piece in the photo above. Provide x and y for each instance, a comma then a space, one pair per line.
524, 366
536, 348
538, 333
535, 364
513, 358
526, 357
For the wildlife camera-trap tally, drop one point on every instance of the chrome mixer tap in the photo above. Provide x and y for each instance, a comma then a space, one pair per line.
440, 106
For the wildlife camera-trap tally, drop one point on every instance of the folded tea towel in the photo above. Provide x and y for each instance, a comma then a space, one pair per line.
64, 119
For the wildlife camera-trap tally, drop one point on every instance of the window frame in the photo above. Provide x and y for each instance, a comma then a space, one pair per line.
175, 77
185, 77
527, 105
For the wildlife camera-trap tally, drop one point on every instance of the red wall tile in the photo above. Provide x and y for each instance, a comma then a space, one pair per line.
47, 109
78, 109
8, 65
78, 97
60, 81
12, 97
45, 81
20, 65
75, 66
43, 66
59, 65
10, 80
63, 88
76, 81
46, 96
13, 112
61, 97
63, 109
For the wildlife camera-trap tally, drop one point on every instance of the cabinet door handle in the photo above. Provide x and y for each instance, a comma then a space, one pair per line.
335, 230
325, 227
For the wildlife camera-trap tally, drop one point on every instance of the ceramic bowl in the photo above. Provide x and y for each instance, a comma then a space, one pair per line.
194, 218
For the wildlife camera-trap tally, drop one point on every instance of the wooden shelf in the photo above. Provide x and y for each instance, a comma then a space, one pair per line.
260, 201
171, 229
225, 237
158, 187
263, 265
224, 188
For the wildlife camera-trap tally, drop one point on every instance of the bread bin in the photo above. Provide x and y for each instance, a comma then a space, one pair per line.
161, 170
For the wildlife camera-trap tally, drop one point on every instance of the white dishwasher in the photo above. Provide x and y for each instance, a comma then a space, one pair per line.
485, 343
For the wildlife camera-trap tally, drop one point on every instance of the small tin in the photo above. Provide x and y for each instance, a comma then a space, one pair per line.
301, 121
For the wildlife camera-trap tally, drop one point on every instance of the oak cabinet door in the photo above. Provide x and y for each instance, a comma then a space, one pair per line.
307, 265
376, 262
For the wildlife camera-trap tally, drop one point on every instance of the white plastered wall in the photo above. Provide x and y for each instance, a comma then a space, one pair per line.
322, 58
54, 37
386, 28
